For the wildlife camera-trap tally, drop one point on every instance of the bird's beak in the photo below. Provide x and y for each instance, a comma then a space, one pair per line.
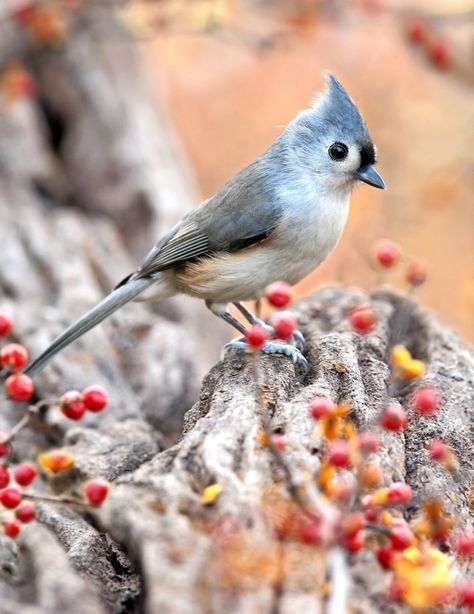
369, 175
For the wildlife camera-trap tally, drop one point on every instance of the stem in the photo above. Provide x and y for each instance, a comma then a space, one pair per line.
340, 582
54, 499
32, 411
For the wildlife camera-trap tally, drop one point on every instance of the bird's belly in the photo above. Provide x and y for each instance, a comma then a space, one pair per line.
293, 251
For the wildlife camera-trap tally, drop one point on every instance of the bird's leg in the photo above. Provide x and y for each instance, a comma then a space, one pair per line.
251, 318
297, 338
239, 344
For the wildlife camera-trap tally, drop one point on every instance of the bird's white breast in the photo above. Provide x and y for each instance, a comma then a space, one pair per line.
308, 231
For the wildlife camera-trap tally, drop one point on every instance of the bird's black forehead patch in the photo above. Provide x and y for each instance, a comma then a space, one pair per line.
367, 154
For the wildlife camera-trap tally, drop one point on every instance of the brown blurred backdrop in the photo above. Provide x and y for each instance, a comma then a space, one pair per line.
229, 101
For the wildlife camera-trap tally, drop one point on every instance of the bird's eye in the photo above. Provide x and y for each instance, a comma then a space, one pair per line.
338, 151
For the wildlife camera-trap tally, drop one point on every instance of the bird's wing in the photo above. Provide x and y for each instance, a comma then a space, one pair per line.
243, 213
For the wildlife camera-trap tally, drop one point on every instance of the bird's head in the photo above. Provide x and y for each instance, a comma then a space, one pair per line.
333, 139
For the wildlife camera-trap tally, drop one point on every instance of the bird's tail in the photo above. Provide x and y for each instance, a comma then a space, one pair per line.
94, 316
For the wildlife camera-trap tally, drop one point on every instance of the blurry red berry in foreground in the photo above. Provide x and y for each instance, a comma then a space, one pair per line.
466, 594
96, 492
6, 321
25, 473
394, 418
426, 400
401, 538
338, 454
463, 543
279, 294
369, 442
438, 449
256, 337
362, 319
13, 356
10, 497
354, 542
284, 324
95, 398
12, 528
26, 512
416, 274
387, 253
19, 387
279, 441
4, 449
399, 492
72, 405
385, 555
321, 407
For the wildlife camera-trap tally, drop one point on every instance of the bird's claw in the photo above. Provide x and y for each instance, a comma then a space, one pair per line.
298, 339
269, 348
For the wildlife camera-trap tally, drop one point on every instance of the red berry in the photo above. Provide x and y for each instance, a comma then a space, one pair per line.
426, 400
353, 523
321, 407
310, 532
466, 594
371, 514
416, 274
338, 454
387, 253
72, 405
440, 54
354, 542
464, 543
385, 556
394, 418
13, 356
96, 491
284, 324
26, 512
6, 321
256, 337
396, 591
25, 473
279, 294
438, 449
279, 441
19, 387
95, 398
362, 319
369, 442
4, 477
401, 537
12, 528
10, 497
399, 492
417, 30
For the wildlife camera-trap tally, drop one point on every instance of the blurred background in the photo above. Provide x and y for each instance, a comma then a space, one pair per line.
229, 74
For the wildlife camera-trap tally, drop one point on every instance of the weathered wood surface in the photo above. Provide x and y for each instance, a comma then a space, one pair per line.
174, 562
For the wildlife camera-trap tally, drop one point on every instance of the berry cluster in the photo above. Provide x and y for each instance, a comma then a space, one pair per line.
16, 504
371, 514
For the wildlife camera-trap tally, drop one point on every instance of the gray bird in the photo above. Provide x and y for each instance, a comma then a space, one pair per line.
277, 219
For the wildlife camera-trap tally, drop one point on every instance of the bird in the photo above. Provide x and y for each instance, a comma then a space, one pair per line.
277, 219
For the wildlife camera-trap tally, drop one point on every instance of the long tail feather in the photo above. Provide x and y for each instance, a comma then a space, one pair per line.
107, 306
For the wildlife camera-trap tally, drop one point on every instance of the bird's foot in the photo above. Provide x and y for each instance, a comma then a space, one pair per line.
270, 347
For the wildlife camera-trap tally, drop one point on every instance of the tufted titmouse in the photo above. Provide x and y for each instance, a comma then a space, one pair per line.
277, 219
